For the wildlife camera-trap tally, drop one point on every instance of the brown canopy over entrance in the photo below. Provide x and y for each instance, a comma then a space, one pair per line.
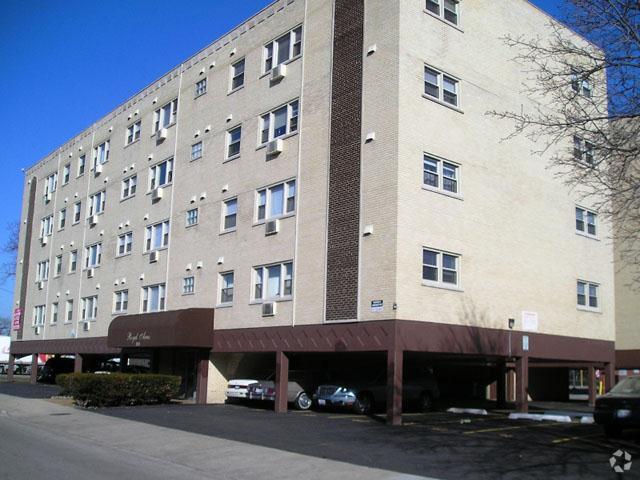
179, 328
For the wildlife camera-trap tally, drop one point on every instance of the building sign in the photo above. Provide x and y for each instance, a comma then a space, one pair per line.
525, 343
377, 306
530, 321
17, 319
137, 338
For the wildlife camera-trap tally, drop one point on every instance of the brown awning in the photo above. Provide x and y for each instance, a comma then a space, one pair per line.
192, 327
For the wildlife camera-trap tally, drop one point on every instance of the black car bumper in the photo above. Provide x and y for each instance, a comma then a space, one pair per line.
617, 417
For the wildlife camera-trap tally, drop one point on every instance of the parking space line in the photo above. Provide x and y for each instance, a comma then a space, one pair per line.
515, 427
571, 439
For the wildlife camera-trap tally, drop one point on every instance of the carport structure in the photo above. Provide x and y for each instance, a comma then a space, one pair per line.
396, 337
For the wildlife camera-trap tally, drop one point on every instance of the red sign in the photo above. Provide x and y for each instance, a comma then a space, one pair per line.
17, 319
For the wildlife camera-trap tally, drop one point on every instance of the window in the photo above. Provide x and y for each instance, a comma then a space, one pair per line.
440, 174
54, 313
229, 214
581, 86
93, 255
273, 282
156, 236
62, 219
96, 203
133, 133
226, 288
66, 174
57, 266
68, 316
588, 295
283, 49
165, 115
39, 315
449, 9
583, 151
42, 271
196, 151
82, 164
276, 201
73, 261
201, 87
440, 268
586, 221
46, 226
192, 217
153, 298
278, 123
237, 75
125, 244
101, 154
441, 86
161, 174
77, 210
129, 186
90, 308
50, 186
188, 285
121, 301
233, 142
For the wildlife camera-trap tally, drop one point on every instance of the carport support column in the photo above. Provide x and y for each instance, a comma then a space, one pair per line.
203, 377
77, 364
394, 385
501, 385
282, 382
11, 366
522, 384
609, 376
593, 382
34, 368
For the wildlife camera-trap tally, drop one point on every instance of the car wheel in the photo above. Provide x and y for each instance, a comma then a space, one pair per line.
364, 404
612, 431
303, 402
426, 403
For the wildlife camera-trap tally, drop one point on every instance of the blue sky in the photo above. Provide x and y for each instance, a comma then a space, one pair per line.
65, 63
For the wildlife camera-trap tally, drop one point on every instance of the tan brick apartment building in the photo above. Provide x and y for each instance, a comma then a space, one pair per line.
321, 179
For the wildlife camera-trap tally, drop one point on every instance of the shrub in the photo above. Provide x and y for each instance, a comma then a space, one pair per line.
110, 390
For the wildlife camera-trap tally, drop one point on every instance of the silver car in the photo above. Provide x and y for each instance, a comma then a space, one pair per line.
301, 384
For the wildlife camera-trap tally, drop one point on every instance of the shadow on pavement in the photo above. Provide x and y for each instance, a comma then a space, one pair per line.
27, 390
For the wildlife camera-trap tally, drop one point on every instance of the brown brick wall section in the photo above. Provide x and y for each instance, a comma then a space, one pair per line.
344, 165
26, 256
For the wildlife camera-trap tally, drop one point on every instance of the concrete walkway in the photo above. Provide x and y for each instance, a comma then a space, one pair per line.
43, 439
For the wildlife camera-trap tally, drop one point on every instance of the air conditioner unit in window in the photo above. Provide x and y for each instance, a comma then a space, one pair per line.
275, 147
91, 272
162, 134
44, 241
98, 169
86, 326
93, 220
271, 227
37, 330
40, 285
156, 194
279, 72
154, 256
268, 309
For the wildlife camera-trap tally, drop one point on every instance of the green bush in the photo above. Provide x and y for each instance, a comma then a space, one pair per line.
111, 390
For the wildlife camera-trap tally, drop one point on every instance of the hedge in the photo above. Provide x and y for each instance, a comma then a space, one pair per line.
111, 390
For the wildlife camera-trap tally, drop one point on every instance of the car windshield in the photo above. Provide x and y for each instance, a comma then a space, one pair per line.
628, 386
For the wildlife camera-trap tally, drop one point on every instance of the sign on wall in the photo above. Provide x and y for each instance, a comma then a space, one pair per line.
17, 319
377, 306
530, 321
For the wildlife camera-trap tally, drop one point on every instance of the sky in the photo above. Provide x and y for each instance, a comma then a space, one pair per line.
66, 63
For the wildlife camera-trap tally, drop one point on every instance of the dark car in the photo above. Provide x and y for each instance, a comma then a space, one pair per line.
363, 394
620, 408
54, 367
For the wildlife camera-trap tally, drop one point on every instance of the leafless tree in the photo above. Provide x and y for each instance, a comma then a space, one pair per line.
588, 90
11, 249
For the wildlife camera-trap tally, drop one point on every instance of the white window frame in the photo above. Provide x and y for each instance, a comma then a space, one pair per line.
441, 14
50, 186
55, 309
151, 233
57, 266
225, 214
68, 311
42, 271
46, 226
271, 51
235, 75
260, 274
145, 297
101, 154
129, 187
39, 315
133, 133
582, 215
97, 202
160, 118
440, 269
66, 174
77, 212
229, 143
581, 86
196, 150
73, 261
93, 255
587, 296
189, 285
82, 165
441, 166
193, 219
124, 243
441, 78
583, 151
200, 87
267, 122
154, 173
287, 187
89, 311
62, 218
121, 301
224, 286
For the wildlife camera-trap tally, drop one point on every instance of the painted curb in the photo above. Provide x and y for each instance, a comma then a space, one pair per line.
539, 417
470, 411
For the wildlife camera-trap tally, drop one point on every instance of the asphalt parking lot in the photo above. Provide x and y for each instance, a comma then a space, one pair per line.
437, 444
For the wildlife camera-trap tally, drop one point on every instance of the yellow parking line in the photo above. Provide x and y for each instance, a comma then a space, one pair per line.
570, 439
489, 430
344, 416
